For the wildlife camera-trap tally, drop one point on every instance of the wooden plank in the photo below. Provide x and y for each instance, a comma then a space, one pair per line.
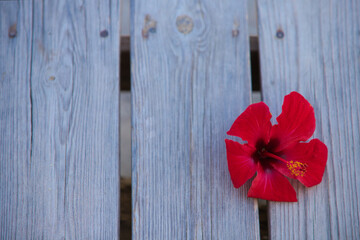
319, 56
15, 116
187, 89
72, 167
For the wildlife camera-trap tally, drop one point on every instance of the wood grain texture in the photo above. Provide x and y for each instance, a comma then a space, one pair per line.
15, 117
187, 89
319, 56
66, 125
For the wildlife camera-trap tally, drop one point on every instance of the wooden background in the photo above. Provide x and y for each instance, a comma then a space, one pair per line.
318, 56
59, 116
185, 93
59, 120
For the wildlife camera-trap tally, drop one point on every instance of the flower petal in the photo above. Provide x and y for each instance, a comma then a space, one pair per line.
271, 185
295, 123
240, 163
253, 125
312, 155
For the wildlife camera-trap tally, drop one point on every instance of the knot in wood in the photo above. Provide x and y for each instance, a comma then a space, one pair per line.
104, 33
184, 24
280, 34
12, 31
149, 26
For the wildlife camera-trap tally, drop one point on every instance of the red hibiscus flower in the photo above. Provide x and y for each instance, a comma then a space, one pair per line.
276, 151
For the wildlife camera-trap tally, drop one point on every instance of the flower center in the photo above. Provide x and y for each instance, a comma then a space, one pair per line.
296, 168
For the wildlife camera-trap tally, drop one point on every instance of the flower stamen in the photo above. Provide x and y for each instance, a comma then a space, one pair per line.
296, 168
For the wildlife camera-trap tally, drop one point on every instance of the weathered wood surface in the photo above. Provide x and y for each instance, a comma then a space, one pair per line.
319, 56
15, 117
187, 90
59, 120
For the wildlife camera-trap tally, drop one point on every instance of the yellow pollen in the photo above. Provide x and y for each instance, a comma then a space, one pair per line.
297, 168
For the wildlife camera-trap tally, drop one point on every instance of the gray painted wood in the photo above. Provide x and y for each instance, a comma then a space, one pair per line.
15, 117
60, 121
319, 56
187, 89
